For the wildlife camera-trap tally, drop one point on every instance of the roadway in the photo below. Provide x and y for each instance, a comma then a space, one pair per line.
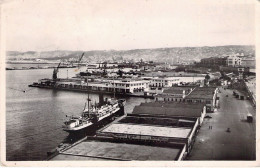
217, 143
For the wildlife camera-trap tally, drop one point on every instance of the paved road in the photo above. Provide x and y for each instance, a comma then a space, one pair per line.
216, 143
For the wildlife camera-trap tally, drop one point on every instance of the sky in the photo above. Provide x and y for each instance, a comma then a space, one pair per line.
44, 25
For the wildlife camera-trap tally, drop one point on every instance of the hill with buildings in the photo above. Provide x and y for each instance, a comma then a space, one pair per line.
171, 55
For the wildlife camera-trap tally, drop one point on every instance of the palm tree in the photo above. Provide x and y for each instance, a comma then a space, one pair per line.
207, 77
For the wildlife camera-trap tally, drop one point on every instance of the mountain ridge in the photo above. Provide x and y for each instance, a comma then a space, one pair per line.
169, 54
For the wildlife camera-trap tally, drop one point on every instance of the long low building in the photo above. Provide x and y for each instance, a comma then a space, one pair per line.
203, 95
173, 94
148, 129
104, 85
100, 149
172, 109
199, 95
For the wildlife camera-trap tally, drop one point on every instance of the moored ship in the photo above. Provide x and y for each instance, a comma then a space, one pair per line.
95, 115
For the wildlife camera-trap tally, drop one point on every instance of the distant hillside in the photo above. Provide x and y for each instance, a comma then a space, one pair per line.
173, 55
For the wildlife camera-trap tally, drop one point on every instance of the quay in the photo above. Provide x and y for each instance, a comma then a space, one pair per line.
34, 67
80, 88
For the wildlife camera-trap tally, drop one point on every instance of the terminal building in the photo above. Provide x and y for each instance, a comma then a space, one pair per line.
163, 81
167, 81
106, 85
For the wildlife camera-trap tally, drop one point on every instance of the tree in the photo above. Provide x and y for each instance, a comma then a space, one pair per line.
207, 77
120, 73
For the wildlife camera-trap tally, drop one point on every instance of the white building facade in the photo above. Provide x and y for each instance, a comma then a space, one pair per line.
234, 61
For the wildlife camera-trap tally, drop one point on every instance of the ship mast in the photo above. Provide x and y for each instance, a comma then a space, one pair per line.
114, 86
88, 95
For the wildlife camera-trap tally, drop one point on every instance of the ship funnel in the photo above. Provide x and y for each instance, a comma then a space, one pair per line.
101, 99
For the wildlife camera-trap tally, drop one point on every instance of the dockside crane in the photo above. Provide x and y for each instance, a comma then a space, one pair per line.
80, 59
55, 72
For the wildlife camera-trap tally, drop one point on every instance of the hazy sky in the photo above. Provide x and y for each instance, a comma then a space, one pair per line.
129, 24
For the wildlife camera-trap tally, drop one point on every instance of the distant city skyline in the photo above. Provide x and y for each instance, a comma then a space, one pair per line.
125, 25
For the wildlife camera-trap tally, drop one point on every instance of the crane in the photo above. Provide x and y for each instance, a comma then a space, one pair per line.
80, 58
55, 72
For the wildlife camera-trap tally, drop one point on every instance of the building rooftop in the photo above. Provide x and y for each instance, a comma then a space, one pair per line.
150, 130
202, 93
150, 120
98, 150
170, 109
176, 105
176, 90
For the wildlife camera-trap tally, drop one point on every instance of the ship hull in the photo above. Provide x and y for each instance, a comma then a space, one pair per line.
91, 129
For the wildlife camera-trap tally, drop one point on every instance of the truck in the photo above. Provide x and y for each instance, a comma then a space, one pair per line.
249, 118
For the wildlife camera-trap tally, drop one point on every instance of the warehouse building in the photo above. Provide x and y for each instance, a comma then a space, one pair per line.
105, 149
172, 109
161, 131
118, 85
173, 94
203, 95
159, 122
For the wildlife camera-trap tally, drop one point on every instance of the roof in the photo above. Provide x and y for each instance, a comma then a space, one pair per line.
202, 93
176, 105
170, 109
98, 150
150, 130
176, 90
